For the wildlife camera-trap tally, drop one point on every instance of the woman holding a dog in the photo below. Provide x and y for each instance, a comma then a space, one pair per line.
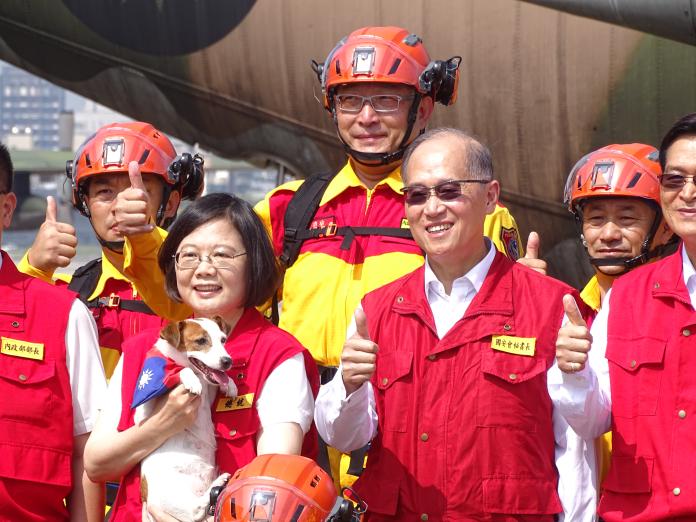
219, 261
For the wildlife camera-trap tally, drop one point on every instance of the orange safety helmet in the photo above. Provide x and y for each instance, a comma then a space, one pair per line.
114, 146
630, 170
623, 170
277, 488
387, 55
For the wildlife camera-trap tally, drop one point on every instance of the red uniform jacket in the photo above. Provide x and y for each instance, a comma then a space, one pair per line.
257, 348
465, 429
652, 368
36, 417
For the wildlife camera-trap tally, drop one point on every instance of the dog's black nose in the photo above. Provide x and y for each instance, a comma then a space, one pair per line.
226, 362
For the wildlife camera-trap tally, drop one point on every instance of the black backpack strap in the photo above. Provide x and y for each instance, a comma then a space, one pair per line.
349, 233
299, 214
85, 280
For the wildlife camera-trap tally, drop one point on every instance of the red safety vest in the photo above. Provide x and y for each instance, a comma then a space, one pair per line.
257, 348
36, 417
652, 369
465, 429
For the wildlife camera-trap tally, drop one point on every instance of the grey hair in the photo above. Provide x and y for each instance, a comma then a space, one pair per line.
478, 162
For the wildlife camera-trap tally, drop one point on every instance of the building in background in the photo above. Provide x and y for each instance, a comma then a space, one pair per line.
29, 110
43, 124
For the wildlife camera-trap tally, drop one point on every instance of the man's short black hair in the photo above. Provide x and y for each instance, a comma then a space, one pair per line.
683, 126
262, 271
6, 170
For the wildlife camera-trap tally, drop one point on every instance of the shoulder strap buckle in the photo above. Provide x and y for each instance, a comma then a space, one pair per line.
112, 301
331, 229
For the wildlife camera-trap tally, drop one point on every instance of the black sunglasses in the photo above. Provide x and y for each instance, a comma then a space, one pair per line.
445, 191
675, 181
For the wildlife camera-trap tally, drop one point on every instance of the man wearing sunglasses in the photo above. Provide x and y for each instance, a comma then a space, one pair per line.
446, 370
634, 372
379, 85
614, 195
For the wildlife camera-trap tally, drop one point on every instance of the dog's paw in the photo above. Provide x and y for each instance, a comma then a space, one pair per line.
230, 390
190, 381
220, 481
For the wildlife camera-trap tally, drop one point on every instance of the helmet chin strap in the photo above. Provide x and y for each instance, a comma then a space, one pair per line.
375, 159
114, 246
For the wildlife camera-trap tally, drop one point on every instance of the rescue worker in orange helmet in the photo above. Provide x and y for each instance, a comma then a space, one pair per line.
51, 382
633, 370
380, 86
614, 194
124, 171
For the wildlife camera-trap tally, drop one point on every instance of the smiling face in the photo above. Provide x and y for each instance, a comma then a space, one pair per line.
450, 232
679, 206
615, 228
211, 291
372, 131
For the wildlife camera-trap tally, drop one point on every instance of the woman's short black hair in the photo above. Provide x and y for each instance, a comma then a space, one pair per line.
683, 126
262, 271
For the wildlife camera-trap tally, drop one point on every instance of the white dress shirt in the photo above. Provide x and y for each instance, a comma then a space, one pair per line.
584, 398
83, 360
350, 422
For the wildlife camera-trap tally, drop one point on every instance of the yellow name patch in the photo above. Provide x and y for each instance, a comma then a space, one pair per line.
404, 223
516, 345
24, 349
240, 402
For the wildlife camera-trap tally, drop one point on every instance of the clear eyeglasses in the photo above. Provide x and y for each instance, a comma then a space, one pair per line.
354, 103
189, 259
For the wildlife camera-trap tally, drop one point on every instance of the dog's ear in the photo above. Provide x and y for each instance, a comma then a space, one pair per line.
172, 333
222, 324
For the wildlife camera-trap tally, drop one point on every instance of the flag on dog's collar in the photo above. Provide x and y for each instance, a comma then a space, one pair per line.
158, 376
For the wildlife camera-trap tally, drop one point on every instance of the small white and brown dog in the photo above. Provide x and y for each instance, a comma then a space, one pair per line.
177, 476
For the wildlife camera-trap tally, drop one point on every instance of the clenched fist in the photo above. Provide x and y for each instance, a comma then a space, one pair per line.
130, 207
359, 356
574, 339
55, 244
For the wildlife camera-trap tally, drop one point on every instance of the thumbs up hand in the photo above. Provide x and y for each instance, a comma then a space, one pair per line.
130, 207
55, 243
574, 339
531, 256
359, 355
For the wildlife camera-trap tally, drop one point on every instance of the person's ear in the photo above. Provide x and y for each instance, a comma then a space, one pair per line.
172, 204
7, 208
492, 195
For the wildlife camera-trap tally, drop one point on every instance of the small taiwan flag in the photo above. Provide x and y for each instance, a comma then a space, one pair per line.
158, 376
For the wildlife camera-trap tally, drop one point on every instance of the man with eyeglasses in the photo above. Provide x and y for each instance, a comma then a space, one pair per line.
445, 372
634, 371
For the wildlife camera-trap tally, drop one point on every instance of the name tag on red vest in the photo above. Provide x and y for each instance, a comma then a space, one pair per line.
240, 402
23, 349
515, 345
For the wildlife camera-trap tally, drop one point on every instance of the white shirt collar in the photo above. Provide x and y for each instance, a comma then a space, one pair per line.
472, 280
689, 275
